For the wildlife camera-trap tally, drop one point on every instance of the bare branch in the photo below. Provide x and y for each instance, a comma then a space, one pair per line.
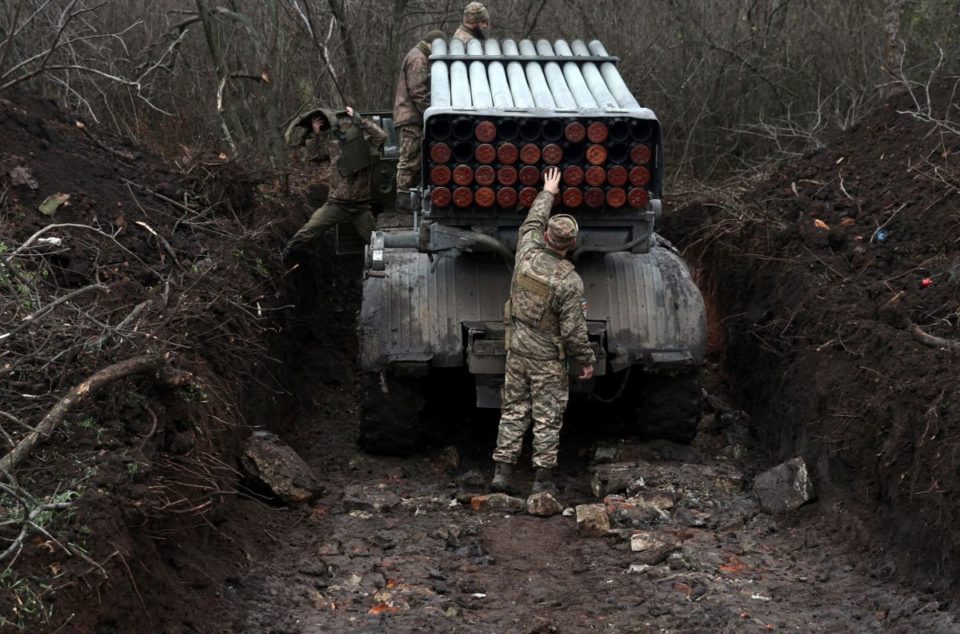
35, 316
13, 33
137, 365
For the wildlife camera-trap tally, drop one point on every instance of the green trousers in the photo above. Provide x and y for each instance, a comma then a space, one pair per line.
332, 213
408, 167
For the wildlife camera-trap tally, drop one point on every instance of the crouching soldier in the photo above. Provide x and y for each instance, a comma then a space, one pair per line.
547, 323
348, 141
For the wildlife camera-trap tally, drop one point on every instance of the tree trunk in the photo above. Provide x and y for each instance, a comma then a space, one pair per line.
353, 76
892, 44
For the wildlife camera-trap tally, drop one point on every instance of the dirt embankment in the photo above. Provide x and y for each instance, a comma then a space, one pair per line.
142, 259
835, 282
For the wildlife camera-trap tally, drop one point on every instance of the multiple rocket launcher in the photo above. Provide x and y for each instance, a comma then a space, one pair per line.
574, 114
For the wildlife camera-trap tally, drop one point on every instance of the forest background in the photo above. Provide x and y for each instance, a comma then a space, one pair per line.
733, 81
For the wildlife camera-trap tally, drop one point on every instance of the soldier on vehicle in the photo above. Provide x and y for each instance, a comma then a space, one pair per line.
476, 23
412, 98
546, 323
347, 139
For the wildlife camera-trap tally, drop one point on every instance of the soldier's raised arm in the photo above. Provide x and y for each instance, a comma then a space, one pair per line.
531, 231
375, 134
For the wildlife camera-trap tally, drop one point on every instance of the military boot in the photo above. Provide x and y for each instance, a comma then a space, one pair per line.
501, 478
543, 481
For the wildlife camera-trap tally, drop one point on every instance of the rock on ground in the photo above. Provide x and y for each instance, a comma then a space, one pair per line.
785, 487
652, 548
360, 498
592, 520
543, 504
277, 465
497, 503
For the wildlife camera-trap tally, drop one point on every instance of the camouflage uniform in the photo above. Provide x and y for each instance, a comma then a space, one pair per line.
473, 14
464, 33
412, 98
547, 323
348, 145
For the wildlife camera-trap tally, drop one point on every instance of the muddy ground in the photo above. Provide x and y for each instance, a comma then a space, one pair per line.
810, 337
429, 563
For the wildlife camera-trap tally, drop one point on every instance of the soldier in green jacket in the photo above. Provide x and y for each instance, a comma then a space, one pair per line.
411, 99
348, 141
546, 320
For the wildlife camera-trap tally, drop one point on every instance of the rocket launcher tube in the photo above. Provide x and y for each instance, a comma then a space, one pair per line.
522, 97
499, 86
439, 85
591, 74
536, 79
439, 77
459, 84
557, 85
479, 85
575, 82
611, 76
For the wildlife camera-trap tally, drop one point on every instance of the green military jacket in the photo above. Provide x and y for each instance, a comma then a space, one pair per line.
349, 144
547, 306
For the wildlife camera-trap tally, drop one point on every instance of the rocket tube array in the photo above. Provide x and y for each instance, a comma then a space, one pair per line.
486, 160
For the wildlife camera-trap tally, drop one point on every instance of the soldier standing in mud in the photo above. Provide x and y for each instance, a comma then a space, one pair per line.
546, 323
412, 98
476, 23
348, 140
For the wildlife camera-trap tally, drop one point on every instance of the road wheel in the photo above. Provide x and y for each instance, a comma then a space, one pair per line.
390, 409
668, 407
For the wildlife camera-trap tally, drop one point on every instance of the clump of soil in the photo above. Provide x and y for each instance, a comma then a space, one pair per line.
819, 277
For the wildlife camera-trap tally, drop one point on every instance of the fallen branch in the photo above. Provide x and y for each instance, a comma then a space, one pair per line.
927, 339
32, 508
137, 365
103, 146
163, 242
38, 314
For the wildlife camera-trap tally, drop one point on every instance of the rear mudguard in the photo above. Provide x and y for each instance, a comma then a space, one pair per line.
417, 311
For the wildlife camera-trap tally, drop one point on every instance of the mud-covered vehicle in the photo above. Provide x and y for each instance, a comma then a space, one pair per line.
434, 292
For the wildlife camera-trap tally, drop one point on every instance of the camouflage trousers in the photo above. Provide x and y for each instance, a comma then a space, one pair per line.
408, 167
534, 390
332, 213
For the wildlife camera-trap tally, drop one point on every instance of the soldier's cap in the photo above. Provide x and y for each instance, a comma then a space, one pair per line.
433, 35
562, 231
475, 13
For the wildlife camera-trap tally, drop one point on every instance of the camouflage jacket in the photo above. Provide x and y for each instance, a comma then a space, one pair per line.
547, 307
413, 88
346, 187
464, 34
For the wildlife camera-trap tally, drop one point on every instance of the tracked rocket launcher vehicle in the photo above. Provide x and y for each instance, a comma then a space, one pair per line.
433, 296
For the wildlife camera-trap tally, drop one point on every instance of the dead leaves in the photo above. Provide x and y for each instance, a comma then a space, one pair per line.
51, 203
21, 177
